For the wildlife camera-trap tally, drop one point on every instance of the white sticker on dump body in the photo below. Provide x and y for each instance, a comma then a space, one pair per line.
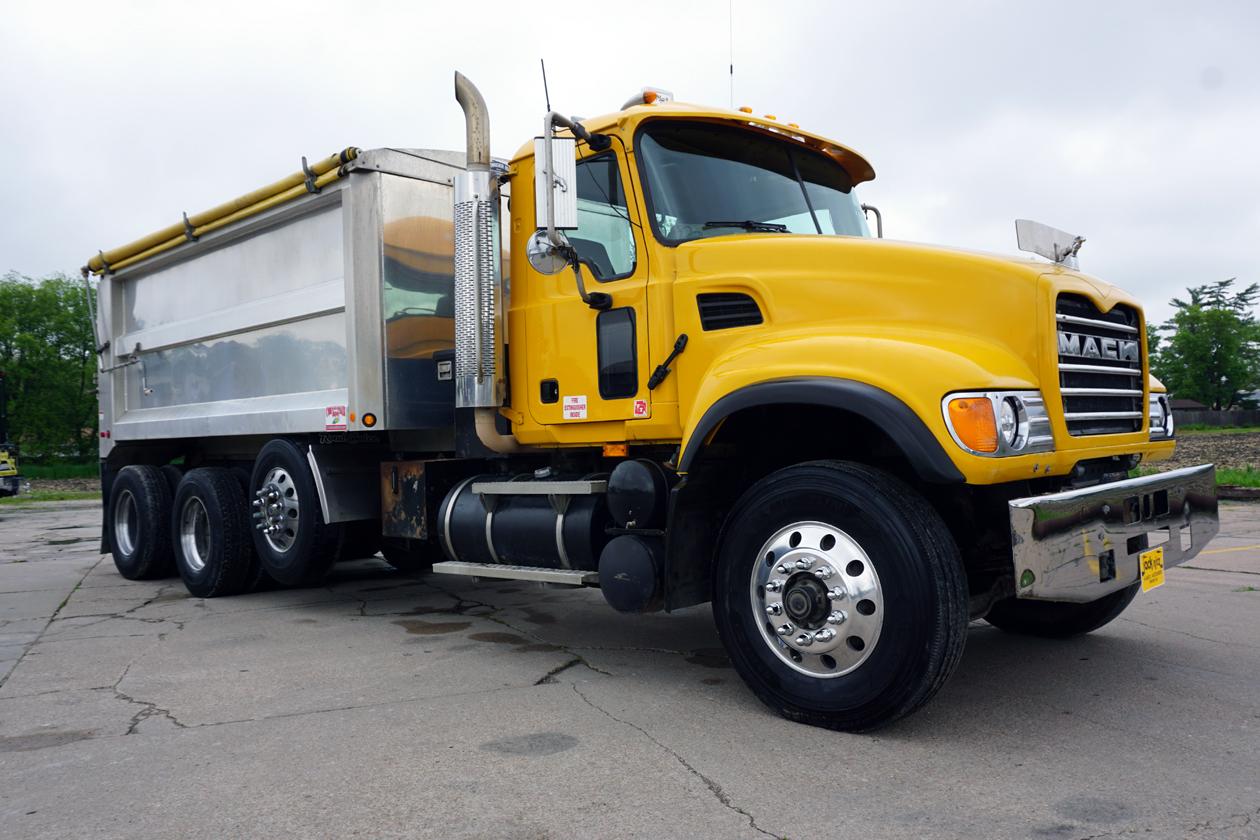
335, 418
575, 408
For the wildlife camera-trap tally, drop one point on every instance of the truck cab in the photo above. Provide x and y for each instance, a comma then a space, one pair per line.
657, 352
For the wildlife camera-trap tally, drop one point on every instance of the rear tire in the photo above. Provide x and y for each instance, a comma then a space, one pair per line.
839, 595
304, 547
139, 516
1055, 620
210, 532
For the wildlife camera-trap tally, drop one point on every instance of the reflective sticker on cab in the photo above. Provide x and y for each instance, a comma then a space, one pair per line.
575, 408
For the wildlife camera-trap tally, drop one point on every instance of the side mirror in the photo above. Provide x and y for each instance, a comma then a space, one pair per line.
555, 183
545, 257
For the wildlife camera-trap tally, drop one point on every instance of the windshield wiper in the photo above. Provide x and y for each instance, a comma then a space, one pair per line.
749, 224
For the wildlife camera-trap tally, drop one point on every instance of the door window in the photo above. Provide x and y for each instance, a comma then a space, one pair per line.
604, 239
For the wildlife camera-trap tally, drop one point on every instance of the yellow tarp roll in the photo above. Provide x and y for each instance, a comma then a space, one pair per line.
250, 204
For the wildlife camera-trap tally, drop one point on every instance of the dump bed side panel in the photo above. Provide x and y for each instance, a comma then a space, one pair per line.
248, 337
337, 303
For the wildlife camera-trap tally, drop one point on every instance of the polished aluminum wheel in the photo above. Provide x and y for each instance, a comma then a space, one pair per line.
194, 533
817, 599
126, 522
276, 509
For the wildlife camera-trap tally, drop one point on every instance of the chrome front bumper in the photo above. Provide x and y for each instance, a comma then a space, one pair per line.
1080, 545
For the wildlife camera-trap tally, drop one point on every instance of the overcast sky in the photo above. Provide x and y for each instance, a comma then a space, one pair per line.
1136, 124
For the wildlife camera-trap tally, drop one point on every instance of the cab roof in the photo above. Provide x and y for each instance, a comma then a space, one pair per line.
626, 122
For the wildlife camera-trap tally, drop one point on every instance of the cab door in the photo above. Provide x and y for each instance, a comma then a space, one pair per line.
589, 368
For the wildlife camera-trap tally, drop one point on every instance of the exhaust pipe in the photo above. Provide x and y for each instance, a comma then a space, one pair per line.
479, 380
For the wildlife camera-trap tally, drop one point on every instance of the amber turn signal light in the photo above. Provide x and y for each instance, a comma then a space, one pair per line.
974, 423
369, 420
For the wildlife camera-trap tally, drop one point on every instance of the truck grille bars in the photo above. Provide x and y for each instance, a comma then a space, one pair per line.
1100, 367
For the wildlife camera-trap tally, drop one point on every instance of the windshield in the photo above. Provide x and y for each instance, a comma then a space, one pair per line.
706, 179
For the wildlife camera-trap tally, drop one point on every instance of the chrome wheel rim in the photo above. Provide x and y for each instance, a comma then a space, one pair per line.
126, 522
194, 534
816, 599
276, 508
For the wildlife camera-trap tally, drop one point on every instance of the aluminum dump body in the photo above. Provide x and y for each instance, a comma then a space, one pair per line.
285, 322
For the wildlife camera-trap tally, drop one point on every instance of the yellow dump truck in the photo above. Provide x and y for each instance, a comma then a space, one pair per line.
657, 352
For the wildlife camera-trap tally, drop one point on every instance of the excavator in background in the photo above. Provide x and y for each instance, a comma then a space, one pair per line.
10, 481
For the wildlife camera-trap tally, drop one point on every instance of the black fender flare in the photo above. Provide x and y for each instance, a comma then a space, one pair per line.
888, 413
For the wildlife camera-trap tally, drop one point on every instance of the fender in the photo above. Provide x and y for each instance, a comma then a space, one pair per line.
881, 408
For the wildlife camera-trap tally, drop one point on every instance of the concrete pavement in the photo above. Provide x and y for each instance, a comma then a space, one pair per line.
384, 705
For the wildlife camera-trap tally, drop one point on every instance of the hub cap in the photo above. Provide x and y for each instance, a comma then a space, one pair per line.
194, 534
276, 510
817, 599
126, 521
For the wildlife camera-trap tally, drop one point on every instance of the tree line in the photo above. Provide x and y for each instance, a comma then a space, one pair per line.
49, 364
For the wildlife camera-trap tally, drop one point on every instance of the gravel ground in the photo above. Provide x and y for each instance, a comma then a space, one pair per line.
1224, 450
63, 485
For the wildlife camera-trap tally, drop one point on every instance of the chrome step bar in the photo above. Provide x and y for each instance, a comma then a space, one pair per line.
540, 488
567, 577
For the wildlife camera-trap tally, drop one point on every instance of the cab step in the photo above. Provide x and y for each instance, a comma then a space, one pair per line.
567, 577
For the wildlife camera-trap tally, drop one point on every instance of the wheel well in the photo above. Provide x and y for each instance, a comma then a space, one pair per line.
764, 438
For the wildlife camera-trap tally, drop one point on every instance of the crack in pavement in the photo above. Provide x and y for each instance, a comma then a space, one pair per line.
1240, 820
550, 676
147, 710
5, 677
714, 788
1184, 633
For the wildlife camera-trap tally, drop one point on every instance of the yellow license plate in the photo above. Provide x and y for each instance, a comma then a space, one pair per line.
1152, 565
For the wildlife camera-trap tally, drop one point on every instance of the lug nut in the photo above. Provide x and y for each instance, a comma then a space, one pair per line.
774, 609
804, 563
774, 585
824, 572
836, 593
785, 629
825, 635
784, 569
837, 617
805, 639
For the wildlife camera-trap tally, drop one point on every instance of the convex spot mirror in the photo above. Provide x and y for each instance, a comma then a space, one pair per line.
562, 188
543, 256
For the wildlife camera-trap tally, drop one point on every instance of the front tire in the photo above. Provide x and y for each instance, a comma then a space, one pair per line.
210, 532
295, 546
839, 595
139, 517
1055, 620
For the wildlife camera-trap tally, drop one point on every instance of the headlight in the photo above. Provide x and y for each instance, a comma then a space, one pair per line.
1160, 412
998, 423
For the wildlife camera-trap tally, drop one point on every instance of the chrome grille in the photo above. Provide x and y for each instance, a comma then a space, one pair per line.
1100, 367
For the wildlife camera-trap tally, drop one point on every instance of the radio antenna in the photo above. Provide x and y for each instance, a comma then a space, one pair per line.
546, 95
730, 22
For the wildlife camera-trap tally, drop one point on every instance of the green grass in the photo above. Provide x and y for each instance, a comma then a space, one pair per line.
59, 470
49, 496
1201, 428
1245, 477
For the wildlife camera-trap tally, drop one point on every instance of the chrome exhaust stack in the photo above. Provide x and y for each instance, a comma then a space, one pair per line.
478, 274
